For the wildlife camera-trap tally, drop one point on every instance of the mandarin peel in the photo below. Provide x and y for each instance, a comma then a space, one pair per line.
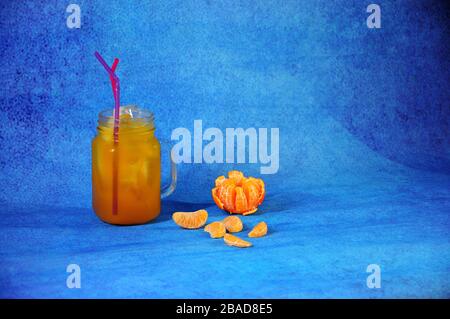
238, 194
190, 220
250, 212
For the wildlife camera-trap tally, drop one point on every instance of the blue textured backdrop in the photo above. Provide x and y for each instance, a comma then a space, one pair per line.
364, 144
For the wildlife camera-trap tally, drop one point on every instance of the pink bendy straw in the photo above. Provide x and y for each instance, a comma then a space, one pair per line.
113, 82
116, 91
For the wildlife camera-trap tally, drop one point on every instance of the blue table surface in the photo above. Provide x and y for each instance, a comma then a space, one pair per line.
364, 146
320, 242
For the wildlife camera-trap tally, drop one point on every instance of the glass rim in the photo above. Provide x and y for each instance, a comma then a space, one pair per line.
107, 115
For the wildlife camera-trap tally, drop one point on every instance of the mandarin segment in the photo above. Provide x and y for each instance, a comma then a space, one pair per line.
216, 229
228, 196
235, 241
252, 192
216, 198
238, 194
220, 180
261, 187
258, 231
240, 200
236, 177
191, 220
233, 224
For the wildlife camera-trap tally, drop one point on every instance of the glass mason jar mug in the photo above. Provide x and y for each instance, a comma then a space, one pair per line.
126, 172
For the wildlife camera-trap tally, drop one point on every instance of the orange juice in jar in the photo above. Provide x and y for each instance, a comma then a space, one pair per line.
126, 173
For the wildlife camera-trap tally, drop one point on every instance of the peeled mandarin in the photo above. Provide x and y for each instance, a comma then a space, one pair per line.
238, 194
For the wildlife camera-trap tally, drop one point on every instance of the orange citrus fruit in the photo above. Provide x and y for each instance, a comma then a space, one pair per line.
192, 220
216, 229
238, 194
233, 224
232, 240
259, 230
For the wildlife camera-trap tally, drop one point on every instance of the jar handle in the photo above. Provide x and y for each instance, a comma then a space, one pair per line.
167, 190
